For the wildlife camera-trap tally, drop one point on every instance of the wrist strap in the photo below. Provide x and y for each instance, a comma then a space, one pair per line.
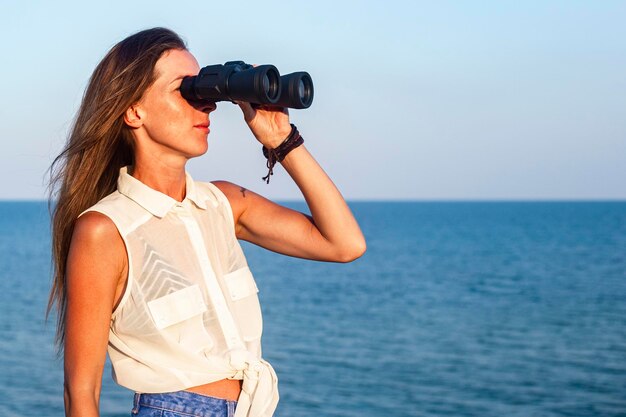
280, 152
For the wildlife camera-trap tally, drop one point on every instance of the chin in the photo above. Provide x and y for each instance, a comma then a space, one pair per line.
199, 151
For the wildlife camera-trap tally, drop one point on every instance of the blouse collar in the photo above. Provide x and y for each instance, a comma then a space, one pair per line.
152, 200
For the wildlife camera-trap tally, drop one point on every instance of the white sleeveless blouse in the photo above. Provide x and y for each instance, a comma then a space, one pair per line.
189, 314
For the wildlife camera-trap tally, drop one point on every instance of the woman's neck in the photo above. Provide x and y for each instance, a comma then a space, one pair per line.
169, 179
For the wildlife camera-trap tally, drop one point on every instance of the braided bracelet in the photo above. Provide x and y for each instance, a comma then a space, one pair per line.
280, 152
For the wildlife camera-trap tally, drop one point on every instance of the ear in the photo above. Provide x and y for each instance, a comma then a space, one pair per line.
133, 116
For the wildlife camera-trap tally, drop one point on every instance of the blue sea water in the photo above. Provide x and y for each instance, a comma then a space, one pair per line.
464, 309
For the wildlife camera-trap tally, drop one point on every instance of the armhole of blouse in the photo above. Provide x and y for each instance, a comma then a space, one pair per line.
222, 198
129, 277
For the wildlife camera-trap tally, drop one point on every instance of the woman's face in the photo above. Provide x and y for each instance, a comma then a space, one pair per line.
169, 122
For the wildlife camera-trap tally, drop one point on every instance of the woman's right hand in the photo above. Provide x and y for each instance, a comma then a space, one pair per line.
96, 274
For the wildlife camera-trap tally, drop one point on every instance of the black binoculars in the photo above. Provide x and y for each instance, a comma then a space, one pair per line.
236, 80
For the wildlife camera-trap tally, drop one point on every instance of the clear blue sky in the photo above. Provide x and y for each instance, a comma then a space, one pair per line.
414, 100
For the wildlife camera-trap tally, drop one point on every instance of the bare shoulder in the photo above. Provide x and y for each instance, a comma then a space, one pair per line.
239, 197
96, 227
96, 236
231, 190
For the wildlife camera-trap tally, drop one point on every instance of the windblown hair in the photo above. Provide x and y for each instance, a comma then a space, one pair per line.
100, 143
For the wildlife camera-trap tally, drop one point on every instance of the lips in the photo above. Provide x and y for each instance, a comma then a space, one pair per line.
202, 126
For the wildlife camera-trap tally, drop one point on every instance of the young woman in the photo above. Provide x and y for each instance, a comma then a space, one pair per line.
147, 261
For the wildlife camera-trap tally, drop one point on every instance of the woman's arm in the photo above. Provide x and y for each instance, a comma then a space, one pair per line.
96, 273
330, 234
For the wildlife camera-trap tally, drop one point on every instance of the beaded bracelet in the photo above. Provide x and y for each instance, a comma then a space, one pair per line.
280, 152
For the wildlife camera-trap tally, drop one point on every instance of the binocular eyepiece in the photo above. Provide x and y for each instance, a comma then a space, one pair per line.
236, 80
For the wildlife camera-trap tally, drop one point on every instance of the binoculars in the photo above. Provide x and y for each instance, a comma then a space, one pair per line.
236, 80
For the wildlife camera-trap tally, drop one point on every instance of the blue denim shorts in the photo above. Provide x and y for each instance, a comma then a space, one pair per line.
181, 404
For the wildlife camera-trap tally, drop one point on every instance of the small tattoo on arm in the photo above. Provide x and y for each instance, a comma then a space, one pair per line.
243, 191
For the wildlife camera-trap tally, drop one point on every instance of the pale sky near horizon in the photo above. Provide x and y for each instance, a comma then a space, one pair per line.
413, 100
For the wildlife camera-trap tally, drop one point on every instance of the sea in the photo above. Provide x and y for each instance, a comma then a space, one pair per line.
456, 309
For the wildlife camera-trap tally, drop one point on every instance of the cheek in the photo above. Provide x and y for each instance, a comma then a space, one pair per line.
180, 107
170, 112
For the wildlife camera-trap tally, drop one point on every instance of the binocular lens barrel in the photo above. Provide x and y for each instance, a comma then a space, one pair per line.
255, 85
296, 90
236, 80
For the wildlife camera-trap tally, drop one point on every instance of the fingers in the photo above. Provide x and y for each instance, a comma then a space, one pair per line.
270, 107
248, 111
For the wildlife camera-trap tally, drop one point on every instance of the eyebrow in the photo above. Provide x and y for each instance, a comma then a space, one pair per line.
178, 78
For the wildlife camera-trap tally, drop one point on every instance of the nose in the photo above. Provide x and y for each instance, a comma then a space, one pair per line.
204, 106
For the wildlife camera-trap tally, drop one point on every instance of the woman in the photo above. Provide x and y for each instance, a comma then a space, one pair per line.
147, 260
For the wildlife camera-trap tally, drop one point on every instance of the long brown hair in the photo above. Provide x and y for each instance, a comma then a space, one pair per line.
99, 144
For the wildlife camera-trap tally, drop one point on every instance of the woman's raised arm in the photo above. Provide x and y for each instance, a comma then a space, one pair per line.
96, 274
330, 234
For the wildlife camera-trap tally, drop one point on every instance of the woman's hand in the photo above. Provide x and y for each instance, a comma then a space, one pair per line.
269, 124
